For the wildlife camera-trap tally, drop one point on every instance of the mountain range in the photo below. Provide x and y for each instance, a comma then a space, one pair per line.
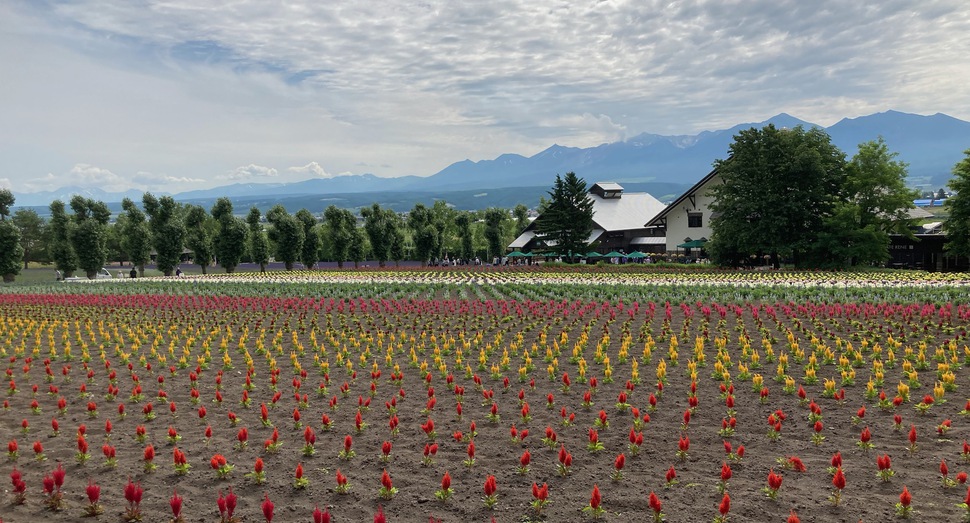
662, 165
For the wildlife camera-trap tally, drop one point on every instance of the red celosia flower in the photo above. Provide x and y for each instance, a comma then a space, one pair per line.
905, 498
792, 517
595, 498
386, 480
725, 505
446, 481
654, 502
838, 480
837, 460
267, 508
726, 472
175, 503
93, 491
490, 485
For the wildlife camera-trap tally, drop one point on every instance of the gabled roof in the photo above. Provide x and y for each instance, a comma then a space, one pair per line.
630, 211
696, 188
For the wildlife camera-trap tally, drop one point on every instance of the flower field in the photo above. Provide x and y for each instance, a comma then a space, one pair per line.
465, 395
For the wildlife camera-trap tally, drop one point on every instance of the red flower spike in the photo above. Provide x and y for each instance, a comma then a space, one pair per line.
93, 491
267, 508
175, 503
905, 498
838, 480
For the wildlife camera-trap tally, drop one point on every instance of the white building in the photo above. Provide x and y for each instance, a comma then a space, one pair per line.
687, 219
618, 222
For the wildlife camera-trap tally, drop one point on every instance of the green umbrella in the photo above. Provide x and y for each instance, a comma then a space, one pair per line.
614, 254
636, 254
593, 254
693, 244
516, 254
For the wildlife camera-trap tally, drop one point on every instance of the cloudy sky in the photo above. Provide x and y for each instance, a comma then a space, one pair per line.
181, 94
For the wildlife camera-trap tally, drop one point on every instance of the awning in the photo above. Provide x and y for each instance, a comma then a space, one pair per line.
517, 254
693, 244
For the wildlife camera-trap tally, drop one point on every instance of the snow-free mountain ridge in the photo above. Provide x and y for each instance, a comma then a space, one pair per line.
931, 145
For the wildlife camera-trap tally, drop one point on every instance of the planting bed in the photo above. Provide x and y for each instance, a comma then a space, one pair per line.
413, 350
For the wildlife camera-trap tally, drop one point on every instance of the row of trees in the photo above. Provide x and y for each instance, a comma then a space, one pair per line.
80, 237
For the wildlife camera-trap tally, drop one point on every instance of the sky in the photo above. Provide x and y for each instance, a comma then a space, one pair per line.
174, 95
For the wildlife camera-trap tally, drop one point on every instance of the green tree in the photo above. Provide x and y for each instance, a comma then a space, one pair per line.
11, 252
779, 188
341, 224
258, 244
230, 238
426, 233
444, 223
494, 231
90, 234
115, 248
521, 214
60, 246
136, 237
358, 247
168, 231
463, 224
398, 239
567, 217
310, 252
957, 225
873, 203
7, 200
380, 226
198, 236
286, 234
32, 230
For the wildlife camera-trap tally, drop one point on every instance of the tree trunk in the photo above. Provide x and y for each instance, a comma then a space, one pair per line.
141, 271
91, 274
356, 264
381, 263
262, 267
340, 264
9, 277
289, 265
204, 270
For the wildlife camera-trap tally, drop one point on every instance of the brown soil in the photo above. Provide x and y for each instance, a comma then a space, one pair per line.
693, 498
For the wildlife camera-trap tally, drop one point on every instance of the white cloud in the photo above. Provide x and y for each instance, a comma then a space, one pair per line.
246, 172
313, 168
195, 88
5, 183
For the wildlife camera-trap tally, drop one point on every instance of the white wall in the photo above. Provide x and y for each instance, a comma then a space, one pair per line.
677, 229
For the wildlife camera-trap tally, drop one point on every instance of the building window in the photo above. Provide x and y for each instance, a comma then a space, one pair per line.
694, 219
